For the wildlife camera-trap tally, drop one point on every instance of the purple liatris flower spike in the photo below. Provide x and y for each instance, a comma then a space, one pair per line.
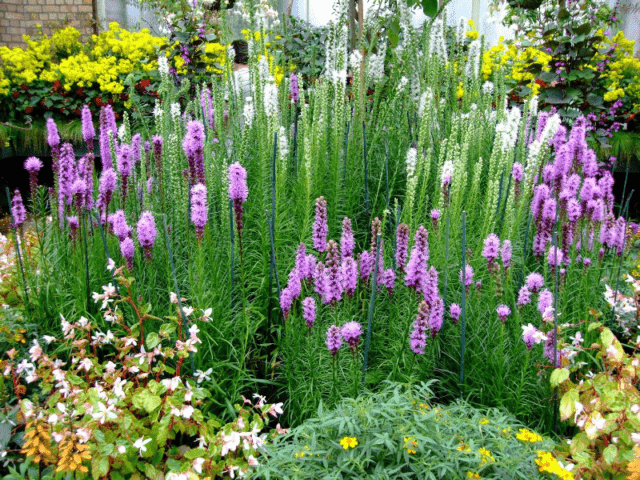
53, 139
157, 149
366, 265
136, 143
347, 243
435, 215
301, 263
320, 228
238, 183
417, 267
454, 312
286, 300
33, 166
524, 296
123, 158
79, 190
334, 339
294, 284
107, 124
193, 145
545, 303
540, 194
146, 229
549, 352
388, 279
529, 335
88, 131
491, 249
555, 258
429, 287
199, 208
534, 282
351, 332
67, 175
127, 249
506, 254
418, 338
74, 224
436, 316
466, 277
334, 285
309, 311
294, 88
17, 210
350, 275
107, 187
119, 225
402, 245
149, 185
503, 312
320, 280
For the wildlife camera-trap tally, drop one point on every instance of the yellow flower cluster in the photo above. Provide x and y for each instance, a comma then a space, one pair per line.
24, 66
305, 451
410, 445
65, 42
622, 72
472, 33
463, 447
4, 83
493, 58
547, 463
485, 456
471, 474
136, 47
349, 442
528, 436
460, 91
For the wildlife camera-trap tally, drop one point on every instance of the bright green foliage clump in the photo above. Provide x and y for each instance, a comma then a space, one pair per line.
400, 433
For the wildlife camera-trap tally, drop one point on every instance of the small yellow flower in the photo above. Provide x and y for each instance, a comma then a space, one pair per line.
528, 436
471, 474
483, 421
349, 442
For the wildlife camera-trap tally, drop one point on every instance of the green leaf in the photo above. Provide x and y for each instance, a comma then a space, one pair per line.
567, 403
146, 400
594, 100
606, 337
5, 435
195, 453
558, 376
557, 96
99, 436
430, 7
99, 467
152, 340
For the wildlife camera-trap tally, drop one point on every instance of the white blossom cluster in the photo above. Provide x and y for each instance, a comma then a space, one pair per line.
507, 130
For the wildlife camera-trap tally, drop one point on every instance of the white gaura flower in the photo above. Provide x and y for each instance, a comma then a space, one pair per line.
202, 376
231, 442
197, 464
104, 413
187, 311
206, 315
121, 449
171, 383
85, 364
187, 411
140, 444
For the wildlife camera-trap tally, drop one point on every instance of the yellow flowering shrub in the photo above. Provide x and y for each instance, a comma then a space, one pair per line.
24, 66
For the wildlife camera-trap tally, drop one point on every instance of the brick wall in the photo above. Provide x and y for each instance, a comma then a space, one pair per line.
19, 17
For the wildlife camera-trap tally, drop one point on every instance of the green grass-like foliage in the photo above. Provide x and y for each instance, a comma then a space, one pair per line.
401, 434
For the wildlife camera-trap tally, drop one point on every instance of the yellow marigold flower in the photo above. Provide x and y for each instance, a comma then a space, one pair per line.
349, 442
471, 474
528, 436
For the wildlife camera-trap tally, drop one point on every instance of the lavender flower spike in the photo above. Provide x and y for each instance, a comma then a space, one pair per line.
320, 228
146, 229
506, 253
88, 130
309, 311
503, 312
418, 338
199, 208
534, 282
127, 249
347, 243
417, 267
351, 332
466, 277
454, 312
193, 145
402, 245
17, 210
334, 339
491, 249
33, 166
238, 183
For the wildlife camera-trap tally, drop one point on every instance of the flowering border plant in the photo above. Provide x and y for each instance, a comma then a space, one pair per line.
121, 406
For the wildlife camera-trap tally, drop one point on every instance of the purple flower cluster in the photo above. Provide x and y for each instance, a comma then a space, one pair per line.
53, 139
193, 145
123, 158
294, 88
146, 229
333, 275
466, 276
119, 225
417, 267
402, 245
351, 332
503, 312
107, 186
127, 249
418, 338
199, 208
454, 312
33, 166
17, 210
107, 121
309, 311
491, 249
334, 339
88, 131
347, 243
